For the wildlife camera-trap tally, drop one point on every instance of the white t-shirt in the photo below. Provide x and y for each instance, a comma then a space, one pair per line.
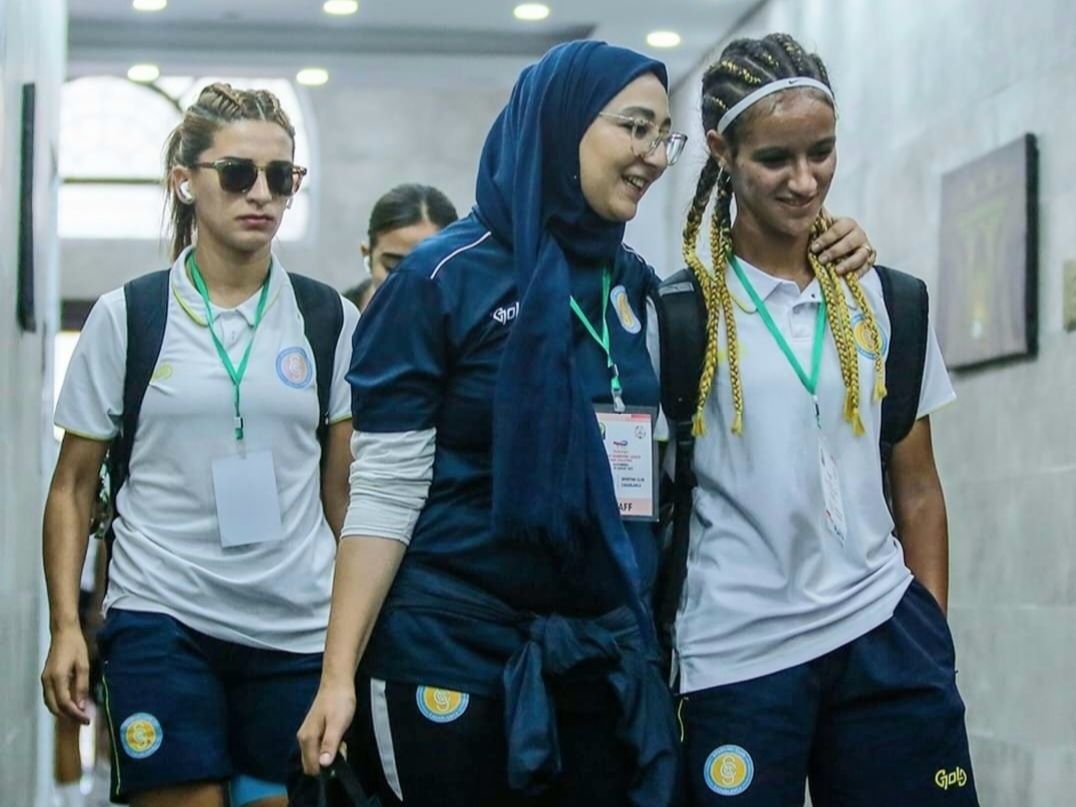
769, 585
168, 556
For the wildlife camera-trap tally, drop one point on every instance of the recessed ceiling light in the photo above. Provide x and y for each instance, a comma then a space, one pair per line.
312, 76
663, 39
340, 8
148, 5
531, 12
144, 73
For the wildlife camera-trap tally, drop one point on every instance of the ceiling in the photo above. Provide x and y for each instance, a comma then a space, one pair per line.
403, 42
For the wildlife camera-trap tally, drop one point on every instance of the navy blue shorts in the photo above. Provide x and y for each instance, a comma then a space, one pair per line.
183, 707
876, 723
438, 748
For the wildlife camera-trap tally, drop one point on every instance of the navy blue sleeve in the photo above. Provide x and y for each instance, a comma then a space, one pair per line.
399, 358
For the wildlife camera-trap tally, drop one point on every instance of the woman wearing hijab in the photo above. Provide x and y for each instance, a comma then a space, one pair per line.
511, 662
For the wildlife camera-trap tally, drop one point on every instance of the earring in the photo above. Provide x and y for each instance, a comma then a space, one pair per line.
184, 192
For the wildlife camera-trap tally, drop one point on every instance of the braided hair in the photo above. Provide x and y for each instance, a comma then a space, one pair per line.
744, 66
218, 105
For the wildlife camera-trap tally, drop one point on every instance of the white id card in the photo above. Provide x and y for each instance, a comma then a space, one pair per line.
831, 491
629, 441
248, 508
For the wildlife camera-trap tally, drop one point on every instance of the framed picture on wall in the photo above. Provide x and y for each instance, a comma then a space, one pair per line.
25, 309
987, 308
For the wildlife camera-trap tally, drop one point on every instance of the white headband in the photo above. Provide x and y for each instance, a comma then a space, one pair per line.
769, 89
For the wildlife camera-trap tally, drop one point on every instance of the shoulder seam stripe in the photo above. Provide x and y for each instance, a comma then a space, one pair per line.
452, 255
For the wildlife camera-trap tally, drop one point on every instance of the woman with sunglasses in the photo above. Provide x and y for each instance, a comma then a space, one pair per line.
218, 591
489, 631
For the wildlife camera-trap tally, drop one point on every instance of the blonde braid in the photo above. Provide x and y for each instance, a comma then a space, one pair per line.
707, 283
880, 390
226, 92
841, 327
721, 251
840, 323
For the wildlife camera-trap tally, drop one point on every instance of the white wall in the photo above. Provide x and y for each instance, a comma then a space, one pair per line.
922, 89
32, 48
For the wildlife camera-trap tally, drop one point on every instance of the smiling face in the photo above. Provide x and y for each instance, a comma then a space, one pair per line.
782, 162
245, 222
612, 177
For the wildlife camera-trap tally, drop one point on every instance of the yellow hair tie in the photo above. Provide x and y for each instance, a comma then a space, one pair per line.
698, 425
880, 390
857, 424
737, 424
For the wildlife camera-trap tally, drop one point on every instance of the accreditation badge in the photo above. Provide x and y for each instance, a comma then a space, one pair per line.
248, 507
831, 491
628, 437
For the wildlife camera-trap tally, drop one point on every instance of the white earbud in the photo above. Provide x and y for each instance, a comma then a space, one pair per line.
366, 263
184, 192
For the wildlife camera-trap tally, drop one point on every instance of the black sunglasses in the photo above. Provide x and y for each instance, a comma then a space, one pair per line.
238, 175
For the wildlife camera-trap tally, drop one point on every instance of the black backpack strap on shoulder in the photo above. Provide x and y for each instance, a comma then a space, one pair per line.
682, 330
146, 301
681, 313
323, 318
908, 306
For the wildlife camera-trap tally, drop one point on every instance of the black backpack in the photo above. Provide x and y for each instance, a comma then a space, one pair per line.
682, 330
147, 315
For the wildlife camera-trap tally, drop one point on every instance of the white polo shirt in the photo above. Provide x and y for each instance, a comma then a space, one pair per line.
168, 556
769, 585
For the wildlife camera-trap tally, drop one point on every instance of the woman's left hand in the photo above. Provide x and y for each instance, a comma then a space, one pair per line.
845, 242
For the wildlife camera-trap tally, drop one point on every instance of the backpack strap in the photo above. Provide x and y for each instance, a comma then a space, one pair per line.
682, 330
341, 773
681, 314
146, 300
908, 304
323, 319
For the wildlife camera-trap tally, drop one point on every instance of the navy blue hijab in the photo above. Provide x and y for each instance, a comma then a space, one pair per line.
551, 477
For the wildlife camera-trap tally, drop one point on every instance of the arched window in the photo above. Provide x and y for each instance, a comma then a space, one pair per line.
112, 137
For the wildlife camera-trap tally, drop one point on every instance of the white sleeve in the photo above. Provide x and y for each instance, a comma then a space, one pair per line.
390, 479
90, 403
340, 396
653, 345
936, 390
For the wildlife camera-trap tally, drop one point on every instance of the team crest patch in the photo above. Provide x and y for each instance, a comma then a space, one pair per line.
294, 368
141, 735
628, 321
729, 770
162, 373
862, 336
441, 705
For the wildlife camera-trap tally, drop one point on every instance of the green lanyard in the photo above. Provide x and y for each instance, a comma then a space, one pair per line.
810, 383
603, 340
235, 374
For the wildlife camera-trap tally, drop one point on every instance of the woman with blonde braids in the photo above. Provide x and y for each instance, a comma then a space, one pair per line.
812, 643
221, 567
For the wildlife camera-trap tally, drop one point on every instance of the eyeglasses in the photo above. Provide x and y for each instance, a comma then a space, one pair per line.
645, 137
238, 175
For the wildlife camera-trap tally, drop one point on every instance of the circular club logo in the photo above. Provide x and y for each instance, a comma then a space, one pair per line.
729, 770
628, 321
441, 705
294, 368
141, 735
863, 339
